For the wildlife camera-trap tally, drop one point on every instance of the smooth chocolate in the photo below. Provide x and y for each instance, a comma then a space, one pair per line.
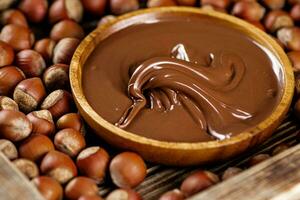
182, 78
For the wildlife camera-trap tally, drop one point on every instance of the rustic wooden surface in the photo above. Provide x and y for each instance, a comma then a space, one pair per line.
13, 184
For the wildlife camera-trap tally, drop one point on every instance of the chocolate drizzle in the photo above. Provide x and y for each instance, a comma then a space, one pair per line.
167, 82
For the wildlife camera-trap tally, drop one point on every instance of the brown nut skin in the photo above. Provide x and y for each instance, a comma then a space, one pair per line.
13, 16
45, 47
198, 182
274, 4
230, 172
297, 84
7, 103
35, 147
80, 186
10, 76
14, 125
35, 10
172, 195
160, 3
95, 7
70, 120
27, 167
42, 122
223, 4
258, 159
292, 2
58, 166
93, 162
127, 170
106, 19
186, 2
294, 57
124, 194
30, 62
66, 28
8, 149
65, 9
58, 102
64, 50
4, 4
19, 37
56, 77
295, 12
277, 19
290, 37
7, 54
49, 188
90, 197
248, 10
29, 93
119, 7
258, 25
69, 141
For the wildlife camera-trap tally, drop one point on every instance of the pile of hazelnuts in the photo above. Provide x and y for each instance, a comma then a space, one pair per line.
40, 129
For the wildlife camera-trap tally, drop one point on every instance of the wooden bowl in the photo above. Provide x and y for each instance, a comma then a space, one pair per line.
177, 153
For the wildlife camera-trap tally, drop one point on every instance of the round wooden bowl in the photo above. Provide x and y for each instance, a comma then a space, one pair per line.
177, 153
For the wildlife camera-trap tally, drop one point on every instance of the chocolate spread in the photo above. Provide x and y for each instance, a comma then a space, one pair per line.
182, 78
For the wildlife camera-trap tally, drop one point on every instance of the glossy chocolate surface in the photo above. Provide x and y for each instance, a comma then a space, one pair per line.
182, 78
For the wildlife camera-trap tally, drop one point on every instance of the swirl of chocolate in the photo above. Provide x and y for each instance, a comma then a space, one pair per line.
167, 82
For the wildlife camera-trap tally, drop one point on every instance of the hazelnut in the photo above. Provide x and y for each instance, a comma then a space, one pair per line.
4, 4
186, 2
13, 16
279, 149
70, 120
56, 77
27, 167
59, 166
90, 197
106, 19
278, 19
274, 4
35, 10
124, 194
19, 37
30, 62
223, 4
8, 149
212, 8
295, 12
294, 57
35, 147
6, 54
95, 7
230, 172
65, 9
66, 28
93, 162
172, 195
160, 3
127, 170
7, 103
258, 159
258, 25
45, 47
14, 125
42, 122
59, 102
248, 10
69, 141
293, 2
64, 50
49, 188
198, 182
290, 37
29, 93
10, 76
80, 186
119, 7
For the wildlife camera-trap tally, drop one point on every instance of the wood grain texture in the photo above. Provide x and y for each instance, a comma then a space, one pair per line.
14, 185
277, 178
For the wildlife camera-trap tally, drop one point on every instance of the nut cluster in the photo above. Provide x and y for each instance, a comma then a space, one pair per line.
41, 130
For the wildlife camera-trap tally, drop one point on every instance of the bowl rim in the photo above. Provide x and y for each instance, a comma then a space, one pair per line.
256, 34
